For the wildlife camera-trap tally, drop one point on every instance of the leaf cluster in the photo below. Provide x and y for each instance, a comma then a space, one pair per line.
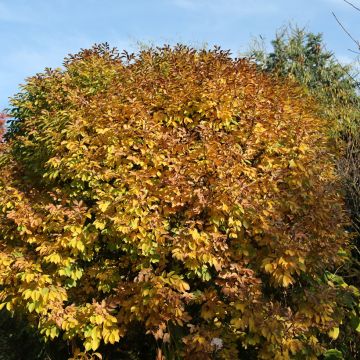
302, 55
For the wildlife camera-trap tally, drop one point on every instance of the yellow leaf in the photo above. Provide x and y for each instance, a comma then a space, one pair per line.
269, 268
303, 148
114, 336
184, 286
95, 343
102, 131
292, 164
195, 234
334, 333
99, 224
80, 246
287, 280
104, 205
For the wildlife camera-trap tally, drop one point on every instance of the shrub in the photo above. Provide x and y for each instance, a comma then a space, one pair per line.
182, 193
302, 56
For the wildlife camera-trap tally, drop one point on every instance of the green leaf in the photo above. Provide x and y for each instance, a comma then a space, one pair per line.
355, 322
333, 354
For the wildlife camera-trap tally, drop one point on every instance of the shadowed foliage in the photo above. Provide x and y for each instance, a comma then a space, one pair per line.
301, 55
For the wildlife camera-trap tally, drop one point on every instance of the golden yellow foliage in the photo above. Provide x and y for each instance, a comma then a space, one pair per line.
175, 189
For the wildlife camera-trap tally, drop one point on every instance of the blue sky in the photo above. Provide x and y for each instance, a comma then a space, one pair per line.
35, 34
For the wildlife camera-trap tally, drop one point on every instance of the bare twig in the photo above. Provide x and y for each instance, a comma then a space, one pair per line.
351, 4
353, 77
355, 52
346, 31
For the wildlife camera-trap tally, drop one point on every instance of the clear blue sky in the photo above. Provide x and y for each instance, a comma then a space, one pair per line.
35, 34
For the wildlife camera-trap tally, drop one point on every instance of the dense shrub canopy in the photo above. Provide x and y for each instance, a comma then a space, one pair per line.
180, 190
302, 55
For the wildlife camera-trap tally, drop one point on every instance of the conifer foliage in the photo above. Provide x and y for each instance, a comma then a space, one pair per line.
182, 191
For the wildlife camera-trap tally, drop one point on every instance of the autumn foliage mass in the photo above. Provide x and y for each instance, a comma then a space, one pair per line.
179, 193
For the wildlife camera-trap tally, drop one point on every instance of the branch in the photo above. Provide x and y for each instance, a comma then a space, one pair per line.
351, 4
355, 52
353, 77
347, 32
